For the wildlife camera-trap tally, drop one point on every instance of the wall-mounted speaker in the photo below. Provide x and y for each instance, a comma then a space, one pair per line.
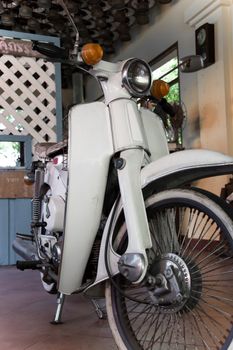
205, 43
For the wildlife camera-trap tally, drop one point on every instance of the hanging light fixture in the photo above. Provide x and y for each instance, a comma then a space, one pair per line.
25, 11
14, 3
162, 2
117, 4
46, 4
142, 12
33, 24
7, 19
1, 7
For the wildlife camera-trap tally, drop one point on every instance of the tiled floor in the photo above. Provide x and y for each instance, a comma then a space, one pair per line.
26, 311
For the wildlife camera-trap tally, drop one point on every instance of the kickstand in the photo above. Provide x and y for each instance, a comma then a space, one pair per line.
58, 313
100, 308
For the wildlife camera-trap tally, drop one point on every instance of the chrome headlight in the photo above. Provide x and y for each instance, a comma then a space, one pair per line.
136, 77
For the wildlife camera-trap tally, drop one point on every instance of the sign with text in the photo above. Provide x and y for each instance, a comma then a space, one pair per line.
16, 47
12, 185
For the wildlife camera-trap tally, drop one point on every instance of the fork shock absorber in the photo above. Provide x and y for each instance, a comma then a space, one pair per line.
36, 206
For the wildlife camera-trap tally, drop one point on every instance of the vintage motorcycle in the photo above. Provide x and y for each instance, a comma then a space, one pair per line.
114, 212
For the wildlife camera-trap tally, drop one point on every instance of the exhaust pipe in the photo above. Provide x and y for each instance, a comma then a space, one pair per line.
25, 248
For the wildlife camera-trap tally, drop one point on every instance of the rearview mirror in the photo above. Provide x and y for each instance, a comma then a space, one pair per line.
190, 64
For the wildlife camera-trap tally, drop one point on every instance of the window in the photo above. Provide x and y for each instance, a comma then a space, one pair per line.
11, 154
162, 65
15, 151
165, 67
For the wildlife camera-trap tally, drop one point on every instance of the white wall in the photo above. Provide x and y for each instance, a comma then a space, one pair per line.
166, 28
215, 83
208, 94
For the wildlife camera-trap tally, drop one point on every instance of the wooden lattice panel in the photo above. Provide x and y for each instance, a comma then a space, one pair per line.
27, 98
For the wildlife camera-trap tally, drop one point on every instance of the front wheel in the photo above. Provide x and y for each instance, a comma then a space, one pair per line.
186, 301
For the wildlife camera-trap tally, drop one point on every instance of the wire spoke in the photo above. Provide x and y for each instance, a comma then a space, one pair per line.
155, 237
148, 329
193, 234
212, 239
199, 331
151, 342
211, 334
187, 230
191, 240
135, 318
222, 290
215, 308
210, 261
218, 324
181, 212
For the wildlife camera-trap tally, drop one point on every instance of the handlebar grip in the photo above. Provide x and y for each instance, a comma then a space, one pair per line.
167, 107
50, 50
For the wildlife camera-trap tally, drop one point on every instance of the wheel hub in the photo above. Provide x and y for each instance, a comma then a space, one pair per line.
170, 282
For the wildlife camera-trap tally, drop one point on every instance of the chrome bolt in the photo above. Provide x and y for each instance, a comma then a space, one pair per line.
151, 280
168, 273
179, 298
159, 281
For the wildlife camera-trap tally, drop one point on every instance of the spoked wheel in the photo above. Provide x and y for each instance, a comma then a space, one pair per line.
186, 300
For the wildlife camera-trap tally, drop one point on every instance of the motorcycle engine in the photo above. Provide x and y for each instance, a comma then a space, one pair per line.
54, 210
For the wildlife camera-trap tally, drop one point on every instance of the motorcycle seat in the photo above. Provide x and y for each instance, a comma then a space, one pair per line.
50, 149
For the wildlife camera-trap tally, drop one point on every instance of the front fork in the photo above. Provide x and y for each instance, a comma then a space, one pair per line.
133, 263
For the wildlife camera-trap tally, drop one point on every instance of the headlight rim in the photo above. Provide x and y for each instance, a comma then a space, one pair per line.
125, 80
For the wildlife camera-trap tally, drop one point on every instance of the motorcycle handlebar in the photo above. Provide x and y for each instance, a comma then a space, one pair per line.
164, 105
50, 50
167, 107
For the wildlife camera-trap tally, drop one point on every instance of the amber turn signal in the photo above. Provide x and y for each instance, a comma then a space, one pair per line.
92, 53
159, 89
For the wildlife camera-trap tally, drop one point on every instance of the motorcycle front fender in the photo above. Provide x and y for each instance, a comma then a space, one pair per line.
171, 171
180, 168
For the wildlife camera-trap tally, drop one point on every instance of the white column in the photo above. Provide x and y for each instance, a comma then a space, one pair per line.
215, 83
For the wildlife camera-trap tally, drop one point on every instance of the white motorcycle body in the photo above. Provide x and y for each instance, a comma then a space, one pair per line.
116, 204
54, 208
93, 140
92, 166
169, 171
114, 210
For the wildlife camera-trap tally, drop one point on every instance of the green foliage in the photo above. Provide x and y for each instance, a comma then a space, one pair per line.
9, 153
174, 93
16, 146
173, 135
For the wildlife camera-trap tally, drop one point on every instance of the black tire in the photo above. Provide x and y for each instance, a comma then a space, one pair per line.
196, 231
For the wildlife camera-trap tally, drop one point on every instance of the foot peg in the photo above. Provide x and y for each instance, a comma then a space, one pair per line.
24, 236
28, 265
